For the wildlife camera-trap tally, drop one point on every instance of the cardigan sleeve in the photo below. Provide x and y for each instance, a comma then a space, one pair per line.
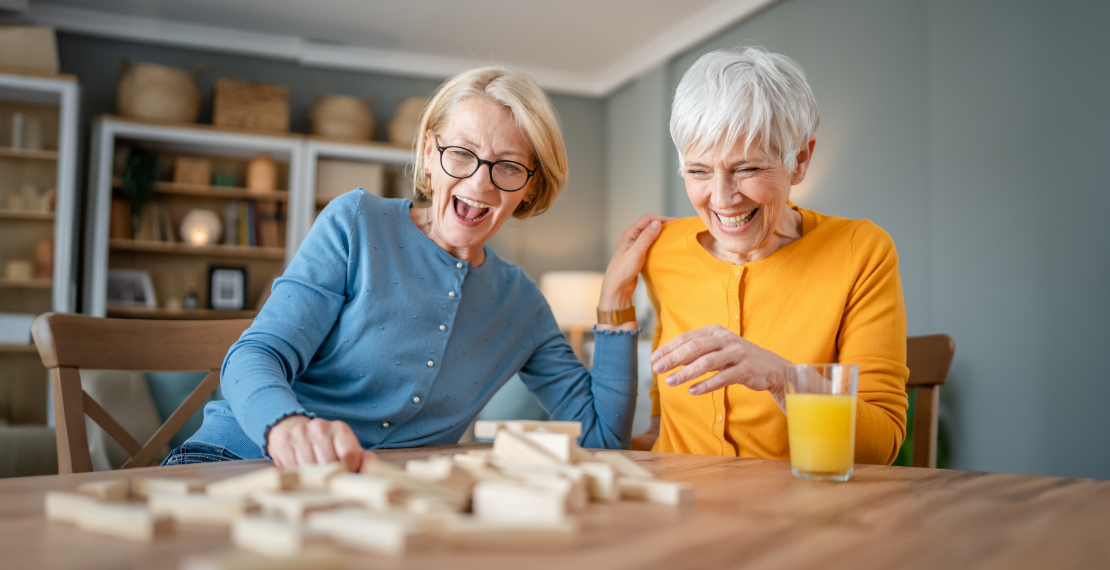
603, 398
873, 335
304, 304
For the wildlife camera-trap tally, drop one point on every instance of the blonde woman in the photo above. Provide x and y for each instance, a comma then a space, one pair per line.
394, 325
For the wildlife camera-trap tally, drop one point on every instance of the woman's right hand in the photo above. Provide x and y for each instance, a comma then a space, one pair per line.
645, 441
300, 440
626, 263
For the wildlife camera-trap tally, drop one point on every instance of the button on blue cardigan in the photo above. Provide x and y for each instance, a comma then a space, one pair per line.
375, 325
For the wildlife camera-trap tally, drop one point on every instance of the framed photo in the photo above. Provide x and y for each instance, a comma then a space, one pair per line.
131, 288
227, 288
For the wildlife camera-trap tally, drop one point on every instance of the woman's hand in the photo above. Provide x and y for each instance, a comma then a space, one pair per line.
735, 359
645, 441
625, 265
299, 440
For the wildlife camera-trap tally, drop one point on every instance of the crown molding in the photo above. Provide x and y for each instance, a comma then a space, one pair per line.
698, 27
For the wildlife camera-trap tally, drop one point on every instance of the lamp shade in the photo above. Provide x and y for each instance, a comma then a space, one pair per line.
573, 296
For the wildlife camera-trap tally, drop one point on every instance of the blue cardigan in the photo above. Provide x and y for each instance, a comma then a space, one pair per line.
376, 325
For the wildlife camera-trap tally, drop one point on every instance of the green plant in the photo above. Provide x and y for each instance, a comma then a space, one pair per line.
137, 183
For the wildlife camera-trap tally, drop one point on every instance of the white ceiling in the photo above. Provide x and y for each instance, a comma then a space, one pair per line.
587, 47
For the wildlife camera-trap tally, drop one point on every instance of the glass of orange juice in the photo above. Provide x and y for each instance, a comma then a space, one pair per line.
821, 420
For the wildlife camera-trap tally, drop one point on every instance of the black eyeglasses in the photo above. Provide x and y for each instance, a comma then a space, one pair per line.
506, 175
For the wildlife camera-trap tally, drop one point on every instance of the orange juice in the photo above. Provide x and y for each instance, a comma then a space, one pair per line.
822, 430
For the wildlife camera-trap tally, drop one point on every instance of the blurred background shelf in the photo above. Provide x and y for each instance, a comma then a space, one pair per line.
8, 152
26, 283
22, 215
183, 314
177, 248
8, 348
224, 192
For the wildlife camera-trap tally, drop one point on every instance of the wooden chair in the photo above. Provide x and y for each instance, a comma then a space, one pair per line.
68, 343
928, 358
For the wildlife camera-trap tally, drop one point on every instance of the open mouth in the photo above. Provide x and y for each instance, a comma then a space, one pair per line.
737, 221
470, 210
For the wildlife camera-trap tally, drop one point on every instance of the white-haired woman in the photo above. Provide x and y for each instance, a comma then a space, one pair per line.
754, 282
394, 325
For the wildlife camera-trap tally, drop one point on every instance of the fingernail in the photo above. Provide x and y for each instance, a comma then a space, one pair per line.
658, 367
695, 390
655, 224
671, 381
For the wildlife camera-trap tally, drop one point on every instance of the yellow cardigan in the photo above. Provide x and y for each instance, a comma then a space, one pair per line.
834, 295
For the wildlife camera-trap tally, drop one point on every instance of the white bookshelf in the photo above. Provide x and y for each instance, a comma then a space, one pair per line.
103, 253
52, 102
315, 149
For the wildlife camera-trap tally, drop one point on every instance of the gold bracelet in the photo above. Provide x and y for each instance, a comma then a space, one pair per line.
617, 317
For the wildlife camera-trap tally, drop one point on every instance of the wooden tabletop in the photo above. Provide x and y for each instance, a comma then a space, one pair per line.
749, 513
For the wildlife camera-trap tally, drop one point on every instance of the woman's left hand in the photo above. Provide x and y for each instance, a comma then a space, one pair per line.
734, 359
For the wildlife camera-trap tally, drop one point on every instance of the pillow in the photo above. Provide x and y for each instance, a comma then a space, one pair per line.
126, 397
169, 389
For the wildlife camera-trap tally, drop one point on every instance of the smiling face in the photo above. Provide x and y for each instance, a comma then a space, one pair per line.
467, 212
741, 195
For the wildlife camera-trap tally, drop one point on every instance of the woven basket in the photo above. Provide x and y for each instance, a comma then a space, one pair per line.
340, 116
246, 105
149, 91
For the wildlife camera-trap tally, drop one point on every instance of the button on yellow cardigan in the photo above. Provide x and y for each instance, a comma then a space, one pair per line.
834, 295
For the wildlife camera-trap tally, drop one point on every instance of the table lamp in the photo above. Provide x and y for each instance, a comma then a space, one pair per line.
573, 296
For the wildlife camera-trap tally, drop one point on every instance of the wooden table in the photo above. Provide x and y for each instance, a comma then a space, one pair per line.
749, 513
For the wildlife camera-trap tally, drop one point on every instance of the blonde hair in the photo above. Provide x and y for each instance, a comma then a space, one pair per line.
534, 116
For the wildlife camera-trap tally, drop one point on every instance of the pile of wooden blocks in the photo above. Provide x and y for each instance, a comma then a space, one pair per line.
523, 493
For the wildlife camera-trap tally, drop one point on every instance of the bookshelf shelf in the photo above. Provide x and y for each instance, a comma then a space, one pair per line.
26, 283
219, 192
28, 216
8, 152
175, 248
183, 314
9, 348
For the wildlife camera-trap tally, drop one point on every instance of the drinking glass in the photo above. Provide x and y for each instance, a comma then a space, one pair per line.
821, 420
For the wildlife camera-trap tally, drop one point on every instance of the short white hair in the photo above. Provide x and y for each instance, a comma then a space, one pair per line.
744, 92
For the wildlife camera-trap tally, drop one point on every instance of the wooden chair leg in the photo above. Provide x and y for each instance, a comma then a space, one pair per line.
69, 418
925, 426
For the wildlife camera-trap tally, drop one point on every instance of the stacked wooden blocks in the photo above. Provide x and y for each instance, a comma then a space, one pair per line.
522, 493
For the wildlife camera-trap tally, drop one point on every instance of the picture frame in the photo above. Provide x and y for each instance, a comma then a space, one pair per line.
227, 288
131, 288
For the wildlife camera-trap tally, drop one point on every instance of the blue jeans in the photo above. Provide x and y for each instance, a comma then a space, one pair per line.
196, 452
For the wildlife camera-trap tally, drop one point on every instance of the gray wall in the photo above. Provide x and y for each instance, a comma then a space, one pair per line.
974, 133
569, 236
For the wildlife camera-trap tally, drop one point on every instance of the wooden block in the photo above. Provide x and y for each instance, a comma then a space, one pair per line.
440, 470
268, 479
317, 476
296, 505
488, 429
109, 490
377, 493
601, 481
419, 504
510, 503
579, 455
66, 507
510, 448
382, 533
314, 557
658, 491
557, 444
202, 509
466, 460
565, 479
482, 453
485, 473
269, 537
624, 466
410, 484
131, 522
143, 487
473, 532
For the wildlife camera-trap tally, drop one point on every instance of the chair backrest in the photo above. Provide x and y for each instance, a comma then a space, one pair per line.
68, 343
928, 358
